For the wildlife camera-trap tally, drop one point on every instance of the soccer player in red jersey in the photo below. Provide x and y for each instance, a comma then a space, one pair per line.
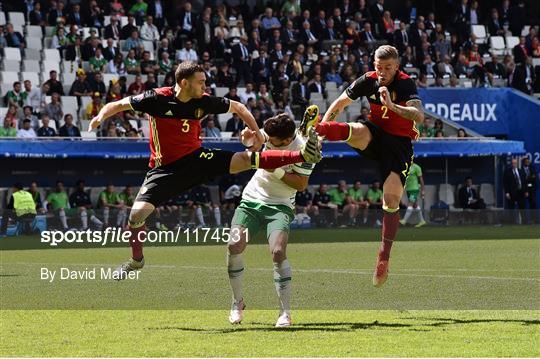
177, 160
386, 137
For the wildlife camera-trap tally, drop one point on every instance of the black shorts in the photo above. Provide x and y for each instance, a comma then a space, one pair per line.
393, 153
170, 180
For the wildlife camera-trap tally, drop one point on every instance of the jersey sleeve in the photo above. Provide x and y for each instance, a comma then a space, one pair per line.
303, 169
217, 105
409, 90
144, 102
361, 87
418, 171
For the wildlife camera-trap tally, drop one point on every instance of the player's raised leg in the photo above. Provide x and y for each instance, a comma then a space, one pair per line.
282, 275
392, 191
235, 268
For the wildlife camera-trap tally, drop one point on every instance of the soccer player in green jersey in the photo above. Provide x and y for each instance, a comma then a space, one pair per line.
414, 185
58, 202
268, 204
110, 200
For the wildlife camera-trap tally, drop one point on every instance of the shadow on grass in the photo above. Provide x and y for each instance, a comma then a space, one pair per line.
442, 322
297, 327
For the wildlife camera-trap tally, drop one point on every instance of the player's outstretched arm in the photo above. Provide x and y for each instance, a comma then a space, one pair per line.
337, 107
412, 111
249, 120
110, 109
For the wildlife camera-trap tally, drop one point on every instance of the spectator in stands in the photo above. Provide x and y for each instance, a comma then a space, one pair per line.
14, 38
16, 97
117, 65
132, 65
59, 40
428, 66
7, 130
327, 210
165, 64
211, 130
374, 198
56, 12
69, 129
495, 26
530, 179
248, 93
54, 108
133, 42
165, 47
36, 16
188, 21
136, 87
304, 203
3, 42
439, 134
34, 97
468, 196
445, 67
150, 82
524, 76
28, 115
112, 130
11, 117
98, 62
128, 29
149, 31
117, 7
109, 201
234, 125
74, 51
307, 37
45, 130
90, 47
138, 10
57, 203
535, 47
112, 31
80, 86
97, 84
80, 200
494, 67
232, 94
520, 51
515, 189
26, 131
461, 133
442, 47
147, 65
93, 108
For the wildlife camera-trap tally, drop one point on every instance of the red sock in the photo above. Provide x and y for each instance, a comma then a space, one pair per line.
334, 131
390, 226
276, 158
136, 245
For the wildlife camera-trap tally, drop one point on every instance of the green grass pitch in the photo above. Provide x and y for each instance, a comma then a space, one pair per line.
458, 291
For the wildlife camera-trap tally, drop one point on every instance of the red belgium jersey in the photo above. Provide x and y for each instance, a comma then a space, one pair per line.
175, 126
401, 89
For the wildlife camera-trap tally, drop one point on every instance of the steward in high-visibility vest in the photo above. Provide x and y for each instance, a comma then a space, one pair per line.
23, 203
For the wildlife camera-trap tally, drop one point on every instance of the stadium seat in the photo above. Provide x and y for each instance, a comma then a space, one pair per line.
85, 100
221, 91
34, 43
226, 135
51, 55
525, 30
145, 127
134, 124
31, 65
3, 111
315, 96
11, 65
2, 18
94, 194
17, 19
69, 104
480, 32
487, 193
68, 78
511, 41
49, 31
49, 65
12, 53
9, 77
149, 46
123, 21
223, 118
5, 87
330, 85
32, 54
320, 103
90, 135
536, 61
447, 194
497, 45
34, 31
32, 76
107, 78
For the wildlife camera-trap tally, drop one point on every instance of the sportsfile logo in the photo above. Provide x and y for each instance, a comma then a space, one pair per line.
480, 112
117, 235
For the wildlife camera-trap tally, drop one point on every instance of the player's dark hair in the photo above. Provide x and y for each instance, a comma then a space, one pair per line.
18, 185
386, 52
280, 126
187, 69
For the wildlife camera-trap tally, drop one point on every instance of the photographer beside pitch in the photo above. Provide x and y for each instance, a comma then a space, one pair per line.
395, 111
178, 162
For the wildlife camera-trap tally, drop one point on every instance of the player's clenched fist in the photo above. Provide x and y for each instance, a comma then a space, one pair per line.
385, 97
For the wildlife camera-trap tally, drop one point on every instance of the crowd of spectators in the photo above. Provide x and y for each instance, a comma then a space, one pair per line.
279, 53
